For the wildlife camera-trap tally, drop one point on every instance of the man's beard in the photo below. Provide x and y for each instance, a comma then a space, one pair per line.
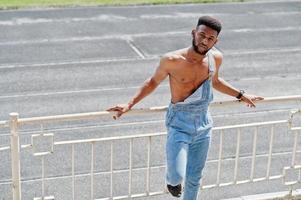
195, 48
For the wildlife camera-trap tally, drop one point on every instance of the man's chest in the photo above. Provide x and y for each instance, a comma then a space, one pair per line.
190, 74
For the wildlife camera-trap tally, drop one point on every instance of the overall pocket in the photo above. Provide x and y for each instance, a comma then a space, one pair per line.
170, 114
182, 121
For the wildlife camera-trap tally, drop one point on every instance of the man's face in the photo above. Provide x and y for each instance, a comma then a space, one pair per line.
203, 39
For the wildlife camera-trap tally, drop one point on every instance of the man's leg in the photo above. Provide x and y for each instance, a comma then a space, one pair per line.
176, 157
197, 155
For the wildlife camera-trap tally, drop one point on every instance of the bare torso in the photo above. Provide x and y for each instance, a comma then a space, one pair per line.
186, 75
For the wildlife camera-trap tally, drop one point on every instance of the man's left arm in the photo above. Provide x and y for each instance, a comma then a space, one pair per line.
223, 86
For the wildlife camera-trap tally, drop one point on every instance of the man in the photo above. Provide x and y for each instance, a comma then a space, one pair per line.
192, 72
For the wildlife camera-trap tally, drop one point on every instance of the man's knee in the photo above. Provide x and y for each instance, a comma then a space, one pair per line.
192, 181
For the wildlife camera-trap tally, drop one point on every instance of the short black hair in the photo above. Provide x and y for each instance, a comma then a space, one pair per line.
211, 22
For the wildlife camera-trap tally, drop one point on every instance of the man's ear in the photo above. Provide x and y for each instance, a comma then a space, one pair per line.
193, 32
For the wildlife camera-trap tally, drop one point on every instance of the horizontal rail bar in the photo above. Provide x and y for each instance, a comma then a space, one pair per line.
242, 182
93, 115
67, 117
163, 133
29, 132
5, 148
110, 138
251, 125
141, 168
8, 181
86, 174
134, 195
83, 116
266, 100
4, 124
227, 158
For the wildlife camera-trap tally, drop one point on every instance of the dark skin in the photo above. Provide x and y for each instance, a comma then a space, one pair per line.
187, 69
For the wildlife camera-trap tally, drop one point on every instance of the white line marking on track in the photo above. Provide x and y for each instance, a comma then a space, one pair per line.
136, 49
196, 15
289, 28
152, 57
144, 6
113, 18
28, 21
296, 77
73, 92
260, 51
92, 38
72, 62
138, 35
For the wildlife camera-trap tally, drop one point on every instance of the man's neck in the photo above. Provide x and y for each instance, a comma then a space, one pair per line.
194, 56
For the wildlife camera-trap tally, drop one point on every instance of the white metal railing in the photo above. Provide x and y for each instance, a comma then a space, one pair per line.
15, 123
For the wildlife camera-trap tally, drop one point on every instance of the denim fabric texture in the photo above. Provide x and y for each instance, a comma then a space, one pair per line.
189, 126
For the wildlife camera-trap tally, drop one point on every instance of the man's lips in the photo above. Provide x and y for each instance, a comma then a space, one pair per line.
202, 46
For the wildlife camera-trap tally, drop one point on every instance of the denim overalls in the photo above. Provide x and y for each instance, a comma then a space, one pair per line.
189, 125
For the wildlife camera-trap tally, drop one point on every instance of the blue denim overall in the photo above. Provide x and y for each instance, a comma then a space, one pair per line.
189, 126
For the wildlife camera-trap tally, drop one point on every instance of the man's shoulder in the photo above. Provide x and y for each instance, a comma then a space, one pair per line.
218, 55
216, 52
174, 56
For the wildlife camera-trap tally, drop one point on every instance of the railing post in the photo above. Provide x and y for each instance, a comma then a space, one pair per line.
15, 156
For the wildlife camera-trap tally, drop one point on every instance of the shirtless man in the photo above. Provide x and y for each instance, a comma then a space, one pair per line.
192, 73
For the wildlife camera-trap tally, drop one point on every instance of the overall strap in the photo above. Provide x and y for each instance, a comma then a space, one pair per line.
211, 64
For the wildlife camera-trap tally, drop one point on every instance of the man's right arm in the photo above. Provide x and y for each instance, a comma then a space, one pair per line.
148, 87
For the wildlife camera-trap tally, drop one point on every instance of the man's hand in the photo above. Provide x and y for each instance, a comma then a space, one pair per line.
119, 109
249, 99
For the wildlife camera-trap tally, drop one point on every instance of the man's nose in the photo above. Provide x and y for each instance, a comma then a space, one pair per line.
205, 41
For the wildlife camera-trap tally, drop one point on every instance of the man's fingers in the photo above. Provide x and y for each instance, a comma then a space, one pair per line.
118, 114
251, 103
118, 110
257, 98
111, 109
115, 109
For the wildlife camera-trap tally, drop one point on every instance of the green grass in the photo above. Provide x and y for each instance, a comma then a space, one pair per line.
14, 4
